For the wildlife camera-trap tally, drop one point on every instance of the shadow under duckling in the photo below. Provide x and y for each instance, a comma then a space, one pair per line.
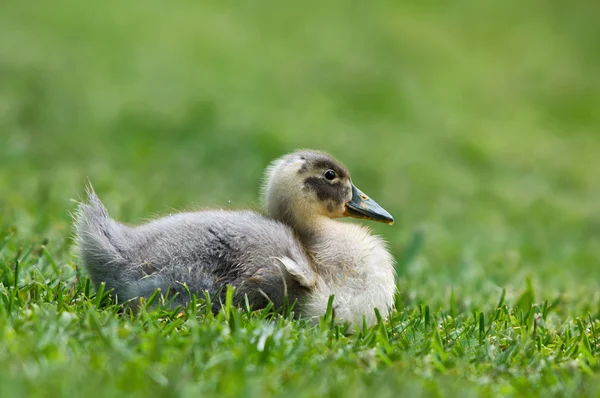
298, 249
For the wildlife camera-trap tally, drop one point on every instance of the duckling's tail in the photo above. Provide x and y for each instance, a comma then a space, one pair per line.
99, 242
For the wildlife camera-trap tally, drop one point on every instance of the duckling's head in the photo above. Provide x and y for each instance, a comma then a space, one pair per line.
304, 185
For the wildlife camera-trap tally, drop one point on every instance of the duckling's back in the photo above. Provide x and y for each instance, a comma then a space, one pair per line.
190, 253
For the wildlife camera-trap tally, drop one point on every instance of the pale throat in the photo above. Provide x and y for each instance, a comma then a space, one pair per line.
316, 231
327, 240
307, 224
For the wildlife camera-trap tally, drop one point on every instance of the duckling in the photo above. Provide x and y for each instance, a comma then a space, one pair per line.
298, 250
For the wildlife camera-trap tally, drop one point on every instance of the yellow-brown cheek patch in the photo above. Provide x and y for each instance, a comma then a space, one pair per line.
333, 207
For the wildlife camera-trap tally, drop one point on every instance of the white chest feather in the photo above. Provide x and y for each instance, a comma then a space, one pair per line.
357, 269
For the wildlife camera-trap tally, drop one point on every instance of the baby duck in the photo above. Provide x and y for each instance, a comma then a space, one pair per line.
299, 249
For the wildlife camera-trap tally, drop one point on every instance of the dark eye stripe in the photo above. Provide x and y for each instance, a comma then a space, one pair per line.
326, 191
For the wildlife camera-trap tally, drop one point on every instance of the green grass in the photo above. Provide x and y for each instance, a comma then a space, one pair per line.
474, 123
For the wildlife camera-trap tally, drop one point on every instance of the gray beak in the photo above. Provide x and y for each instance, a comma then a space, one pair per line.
361, 206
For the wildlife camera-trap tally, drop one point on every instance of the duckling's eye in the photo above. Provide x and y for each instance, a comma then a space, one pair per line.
330, 174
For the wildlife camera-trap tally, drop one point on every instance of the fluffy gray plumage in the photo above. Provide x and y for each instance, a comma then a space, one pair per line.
204, 250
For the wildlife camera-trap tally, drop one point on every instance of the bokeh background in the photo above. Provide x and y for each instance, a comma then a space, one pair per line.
474, 122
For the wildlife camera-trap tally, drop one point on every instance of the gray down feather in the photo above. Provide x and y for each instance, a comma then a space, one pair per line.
192, 252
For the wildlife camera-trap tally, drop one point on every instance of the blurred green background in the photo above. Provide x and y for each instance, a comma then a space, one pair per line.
474, 122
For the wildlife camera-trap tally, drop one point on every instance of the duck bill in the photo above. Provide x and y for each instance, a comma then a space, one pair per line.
361, 206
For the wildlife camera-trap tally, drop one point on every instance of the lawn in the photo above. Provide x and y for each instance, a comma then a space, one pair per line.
476, 124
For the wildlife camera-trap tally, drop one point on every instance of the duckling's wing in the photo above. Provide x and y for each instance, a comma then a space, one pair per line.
205, 251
